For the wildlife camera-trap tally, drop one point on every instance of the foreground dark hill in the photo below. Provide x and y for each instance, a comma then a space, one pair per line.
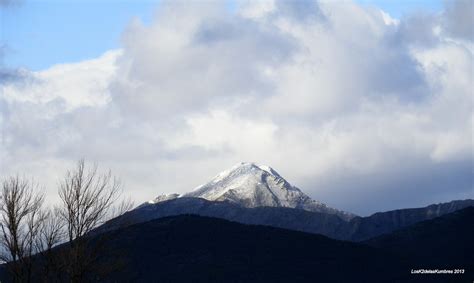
444, 242
191, 248
358, 229
201, 249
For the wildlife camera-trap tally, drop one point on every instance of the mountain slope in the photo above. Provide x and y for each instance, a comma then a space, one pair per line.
358, 229
189, 248
295, 219
387, 222
200, 249
444, 242
252, 185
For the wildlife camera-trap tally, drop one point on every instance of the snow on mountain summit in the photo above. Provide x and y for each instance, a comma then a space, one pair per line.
248, 184
252, 185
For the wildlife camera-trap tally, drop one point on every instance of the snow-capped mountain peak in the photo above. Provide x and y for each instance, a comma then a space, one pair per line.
252, 185
243, 168
248, 184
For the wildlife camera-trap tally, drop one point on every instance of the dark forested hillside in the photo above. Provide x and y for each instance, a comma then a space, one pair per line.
193, 248
190, 248
444, 242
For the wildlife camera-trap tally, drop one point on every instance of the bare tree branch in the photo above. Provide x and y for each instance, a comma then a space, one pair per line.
87, 200
20, 222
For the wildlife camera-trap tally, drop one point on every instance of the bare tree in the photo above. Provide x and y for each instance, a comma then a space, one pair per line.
87, 200
50, 234
29, 233
20, 222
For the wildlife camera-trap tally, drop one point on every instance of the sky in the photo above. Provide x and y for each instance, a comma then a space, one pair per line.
364, 105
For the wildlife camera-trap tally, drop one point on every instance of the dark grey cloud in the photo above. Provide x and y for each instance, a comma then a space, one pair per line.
403, 185
8, 75
300, 10
408, 85
417, 30
459, 18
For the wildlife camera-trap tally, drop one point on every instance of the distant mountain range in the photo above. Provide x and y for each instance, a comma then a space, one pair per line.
255, 194
387, 222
